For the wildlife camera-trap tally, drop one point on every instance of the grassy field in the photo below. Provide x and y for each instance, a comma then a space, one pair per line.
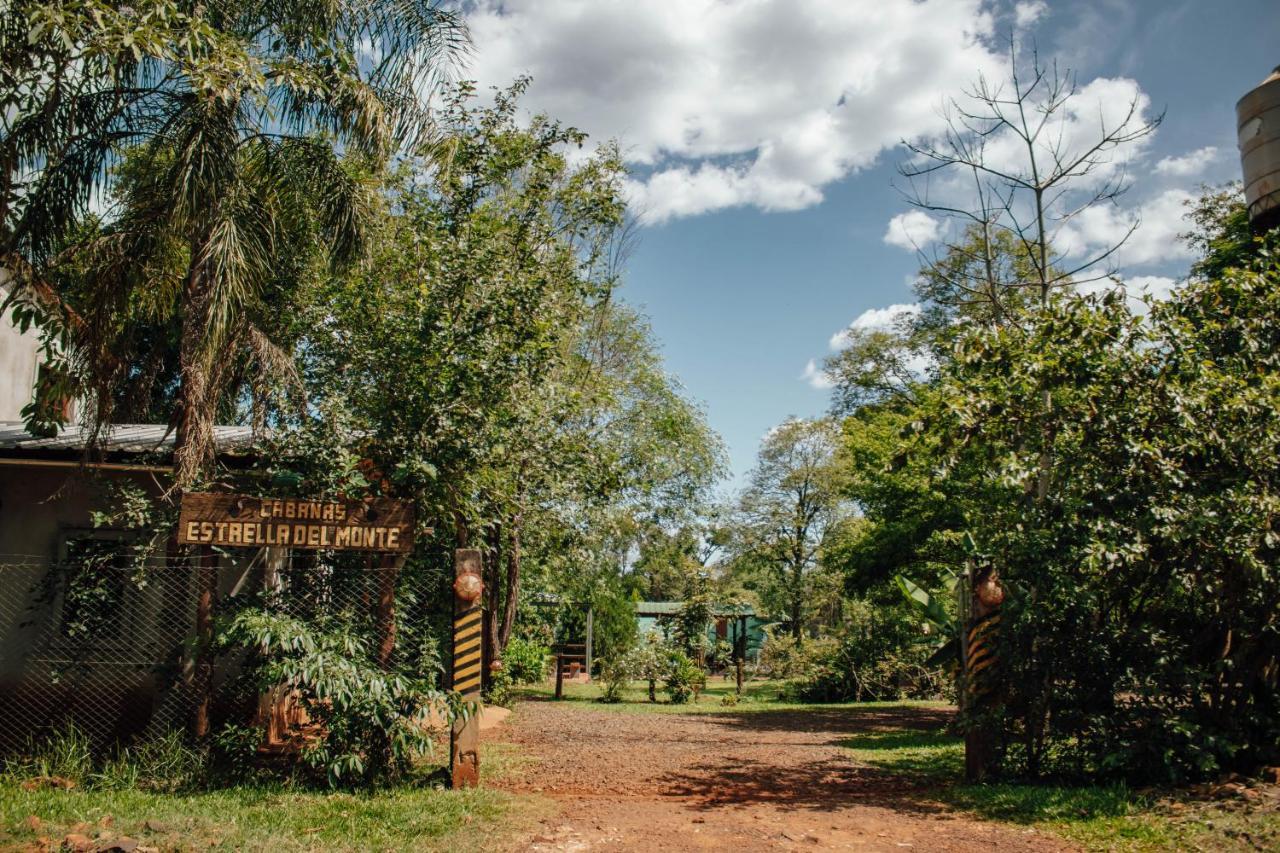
1096, 817
272, 817
756, 696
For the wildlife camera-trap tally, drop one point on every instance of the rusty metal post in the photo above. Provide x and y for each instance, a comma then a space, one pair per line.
468, 654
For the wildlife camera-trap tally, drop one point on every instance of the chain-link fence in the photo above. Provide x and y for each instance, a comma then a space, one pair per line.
110, 642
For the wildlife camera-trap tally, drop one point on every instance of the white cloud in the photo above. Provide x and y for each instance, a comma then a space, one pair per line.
1156, 241
816, 376
912, 230
1154, 286
1191, 163
1026, 14
738, 102
1157, 287
874, 320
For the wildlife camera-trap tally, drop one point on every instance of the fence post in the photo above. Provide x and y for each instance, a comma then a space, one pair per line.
590, 632
468, 655
388, 573
202, 675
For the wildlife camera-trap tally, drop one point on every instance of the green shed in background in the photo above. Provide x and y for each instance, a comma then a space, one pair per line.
655, 617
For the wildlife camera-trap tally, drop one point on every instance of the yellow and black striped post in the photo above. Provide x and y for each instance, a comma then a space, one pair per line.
982, 689
468, 657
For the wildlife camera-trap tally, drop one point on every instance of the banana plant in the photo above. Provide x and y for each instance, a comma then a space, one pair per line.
932, 609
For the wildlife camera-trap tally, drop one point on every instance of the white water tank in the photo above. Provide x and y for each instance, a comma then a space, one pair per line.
1258, 128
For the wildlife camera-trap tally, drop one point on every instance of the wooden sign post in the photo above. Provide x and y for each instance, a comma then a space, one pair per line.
239, 521
214, 519
468, 656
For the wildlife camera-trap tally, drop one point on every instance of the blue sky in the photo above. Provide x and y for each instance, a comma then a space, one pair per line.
762, 137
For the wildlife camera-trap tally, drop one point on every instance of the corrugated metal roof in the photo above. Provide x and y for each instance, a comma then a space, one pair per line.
118, 438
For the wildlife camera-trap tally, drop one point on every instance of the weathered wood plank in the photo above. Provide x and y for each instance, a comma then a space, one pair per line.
231, 520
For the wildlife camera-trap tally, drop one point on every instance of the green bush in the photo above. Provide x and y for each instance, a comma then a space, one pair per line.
500, 689
525, 662
785, 657
684, 679
648, 662
235, 750
883, 655
615, 675
374, 722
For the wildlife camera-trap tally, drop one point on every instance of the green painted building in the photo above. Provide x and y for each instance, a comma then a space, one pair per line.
655, 617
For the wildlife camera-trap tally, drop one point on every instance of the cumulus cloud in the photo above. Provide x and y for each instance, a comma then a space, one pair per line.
874, 320
912, 230
724, 103
1026, 14
1160, 220
1154, 286
816, 376
1137, 289
1191, 163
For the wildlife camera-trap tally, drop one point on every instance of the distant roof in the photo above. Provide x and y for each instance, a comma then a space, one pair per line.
671, 608
117, 438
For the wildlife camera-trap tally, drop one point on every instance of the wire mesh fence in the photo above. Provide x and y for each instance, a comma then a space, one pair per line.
109, 640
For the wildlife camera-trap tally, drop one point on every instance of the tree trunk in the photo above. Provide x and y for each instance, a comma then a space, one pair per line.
509, 599
491, 601
797, 604
193, 447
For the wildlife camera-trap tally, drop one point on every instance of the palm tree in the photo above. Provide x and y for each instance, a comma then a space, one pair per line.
239, 119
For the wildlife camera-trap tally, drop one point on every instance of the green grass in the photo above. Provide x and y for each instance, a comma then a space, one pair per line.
260, 817
757, 697
274, 816
1097, 817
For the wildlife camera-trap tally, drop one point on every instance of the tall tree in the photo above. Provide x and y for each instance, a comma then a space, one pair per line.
1036, 159
783, 517
239, 113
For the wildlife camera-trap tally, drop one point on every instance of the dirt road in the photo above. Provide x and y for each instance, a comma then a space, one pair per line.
763, 780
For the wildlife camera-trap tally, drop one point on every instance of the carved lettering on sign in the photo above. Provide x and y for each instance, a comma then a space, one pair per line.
381, 524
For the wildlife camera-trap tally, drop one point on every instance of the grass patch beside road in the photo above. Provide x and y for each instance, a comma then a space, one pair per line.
262, 818
35, 814
1097, 817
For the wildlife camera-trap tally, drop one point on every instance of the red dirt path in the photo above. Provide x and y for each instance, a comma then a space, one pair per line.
766, 780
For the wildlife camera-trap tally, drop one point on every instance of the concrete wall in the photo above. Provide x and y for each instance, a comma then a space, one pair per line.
19, 361
123, 680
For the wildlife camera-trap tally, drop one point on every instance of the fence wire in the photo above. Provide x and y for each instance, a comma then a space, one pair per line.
106, 640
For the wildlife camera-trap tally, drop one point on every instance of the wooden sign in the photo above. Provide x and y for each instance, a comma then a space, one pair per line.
240, 521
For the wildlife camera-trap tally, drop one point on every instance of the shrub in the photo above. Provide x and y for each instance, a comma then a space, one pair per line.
883, 655
786, 657
500, 692
648, 662
373, 722
684, 679
235, 750
615, 675
525, 662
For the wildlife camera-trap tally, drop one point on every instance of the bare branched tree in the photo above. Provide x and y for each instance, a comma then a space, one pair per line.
1033, 170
